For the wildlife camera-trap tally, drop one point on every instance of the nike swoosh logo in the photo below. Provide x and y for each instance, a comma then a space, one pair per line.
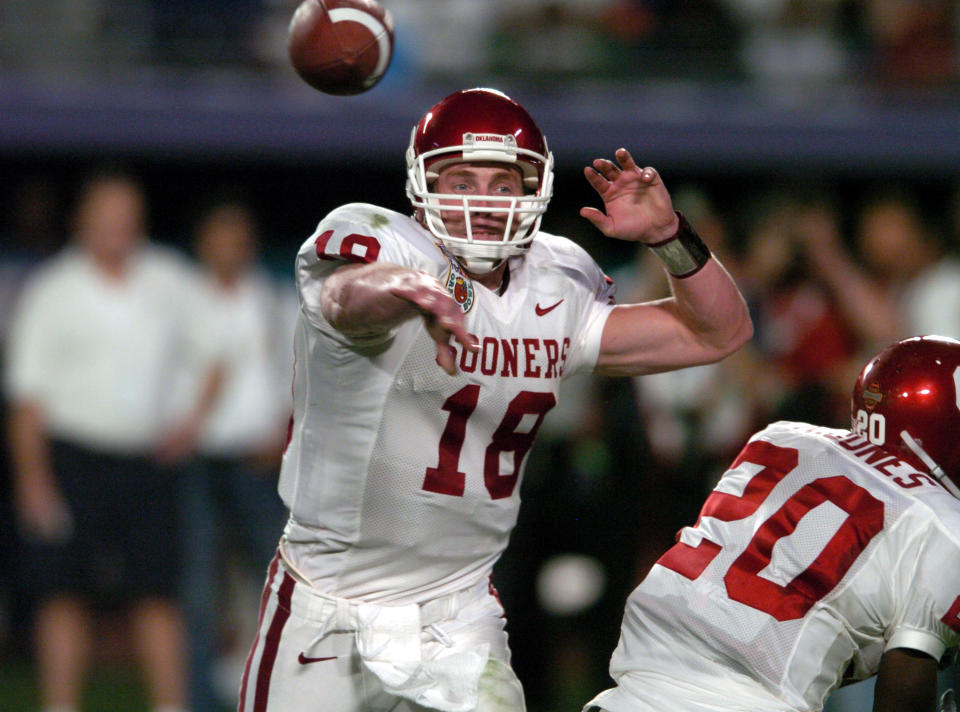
304, 660
541, 310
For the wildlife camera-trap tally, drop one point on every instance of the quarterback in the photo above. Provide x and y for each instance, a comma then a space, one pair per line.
429, 349
822, 557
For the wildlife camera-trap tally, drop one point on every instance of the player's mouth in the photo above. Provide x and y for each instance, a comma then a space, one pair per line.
487, 229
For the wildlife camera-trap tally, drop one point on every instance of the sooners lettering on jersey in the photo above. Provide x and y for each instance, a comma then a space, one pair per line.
515, 358
404, 478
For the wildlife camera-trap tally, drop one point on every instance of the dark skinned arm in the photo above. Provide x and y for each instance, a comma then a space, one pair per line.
906, 682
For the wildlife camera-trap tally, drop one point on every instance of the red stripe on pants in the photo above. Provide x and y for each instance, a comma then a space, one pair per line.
264, 597
272, 643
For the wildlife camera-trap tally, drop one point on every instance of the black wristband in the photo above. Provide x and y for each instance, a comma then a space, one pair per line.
684, 254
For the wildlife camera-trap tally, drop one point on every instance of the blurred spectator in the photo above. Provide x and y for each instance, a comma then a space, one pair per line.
70, 38
443, 39
823, 305
932, 298
32, 235
33, 208
694, 39
91, 351
913, 42
897, 245
243, 328
205, 33
549, 39
787, 42
805, 335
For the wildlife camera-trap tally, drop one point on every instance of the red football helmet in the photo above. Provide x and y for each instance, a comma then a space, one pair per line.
480, 125
907, 399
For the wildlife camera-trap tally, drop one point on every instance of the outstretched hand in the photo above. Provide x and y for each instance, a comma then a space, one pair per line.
441, 315
637, 204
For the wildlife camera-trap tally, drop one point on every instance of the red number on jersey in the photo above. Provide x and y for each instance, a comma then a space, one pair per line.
864, 521
776, 462
507, 438
353, 248
742, 580
952, 617
446, 478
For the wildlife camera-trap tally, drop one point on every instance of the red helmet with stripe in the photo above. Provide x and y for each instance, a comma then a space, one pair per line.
480, 125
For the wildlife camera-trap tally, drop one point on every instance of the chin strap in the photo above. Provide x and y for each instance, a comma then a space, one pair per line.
934, 468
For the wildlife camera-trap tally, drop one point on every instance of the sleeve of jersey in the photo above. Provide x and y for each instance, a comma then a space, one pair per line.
341, 238
929, 614
597, 293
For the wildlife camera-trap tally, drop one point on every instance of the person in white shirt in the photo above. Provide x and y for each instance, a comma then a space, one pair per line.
241, 350
822, 557
429, 349
92, 350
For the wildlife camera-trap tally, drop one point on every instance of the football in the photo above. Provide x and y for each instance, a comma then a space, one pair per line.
340, 47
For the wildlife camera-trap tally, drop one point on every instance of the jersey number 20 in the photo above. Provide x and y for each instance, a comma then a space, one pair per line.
864, 521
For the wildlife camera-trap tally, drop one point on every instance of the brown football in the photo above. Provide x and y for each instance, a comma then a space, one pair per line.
340, 46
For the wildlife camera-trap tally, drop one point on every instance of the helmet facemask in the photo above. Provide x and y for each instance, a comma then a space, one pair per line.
523, 213
479, 126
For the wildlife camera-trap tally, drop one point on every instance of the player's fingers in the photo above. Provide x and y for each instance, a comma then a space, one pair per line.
440, 336
441, 328
626, 160
447, 358
597, 181
450, 321
606, 168
435, 304
599, 219
467, 340
649, 175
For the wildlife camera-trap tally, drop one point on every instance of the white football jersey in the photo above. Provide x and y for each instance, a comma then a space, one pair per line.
403, 481
816, 552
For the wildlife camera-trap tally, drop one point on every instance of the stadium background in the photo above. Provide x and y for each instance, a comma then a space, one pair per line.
731, 100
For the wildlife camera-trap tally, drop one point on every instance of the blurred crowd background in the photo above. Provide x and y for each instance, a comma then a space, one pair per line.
891, 42
814, 145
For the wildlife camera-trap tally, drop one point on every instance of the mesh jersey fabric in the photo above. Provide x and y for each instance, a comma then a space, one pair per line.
402, 481
816, 552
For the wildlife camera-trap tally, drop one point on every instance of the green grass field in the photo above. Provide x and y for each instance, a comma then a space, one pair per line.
114, 689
